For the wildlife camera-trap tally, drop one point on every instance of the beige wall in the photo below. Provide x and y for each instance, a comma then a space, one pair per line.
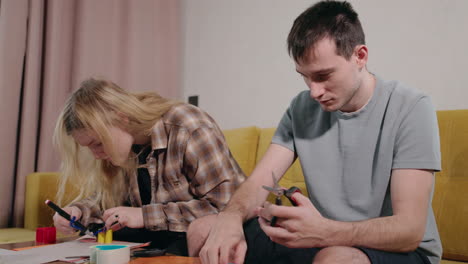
235, 55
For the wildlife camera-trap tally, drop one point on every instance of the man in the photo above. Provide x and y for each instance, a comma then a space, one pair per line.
368, 149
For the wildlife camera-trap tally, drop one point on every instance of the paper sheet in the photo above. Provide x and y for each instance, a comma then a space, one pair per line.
6, 252
39, 255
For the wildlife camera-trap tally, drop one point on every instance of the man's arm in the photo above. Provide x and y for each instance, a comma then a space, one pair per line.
303, 226
402, 232
226, 237
276, 160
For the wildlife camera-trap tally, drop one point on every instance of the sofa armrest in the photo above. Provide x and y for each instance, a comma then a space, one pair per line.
40, 186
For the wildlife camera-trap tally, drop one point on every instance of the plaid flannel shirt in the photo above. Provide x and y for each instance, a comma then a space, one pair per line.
192, 172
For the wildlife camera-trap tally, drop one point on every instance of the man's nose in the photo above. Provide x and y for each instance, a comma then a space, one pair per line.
316, 90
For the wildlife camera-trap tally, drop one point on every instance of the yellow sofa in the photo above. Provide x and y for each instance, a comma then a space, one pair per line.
40, 186
249, 144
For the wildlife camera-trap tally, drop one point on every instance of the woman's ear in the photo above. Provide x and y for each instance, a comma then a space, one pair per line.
124, 120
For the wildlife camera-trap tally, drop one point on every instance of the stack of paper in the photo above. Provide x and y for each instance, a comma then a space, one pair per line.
54, 252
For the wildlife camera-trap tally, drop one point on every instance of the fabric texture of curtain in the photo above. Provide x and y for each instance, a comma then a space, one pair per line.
47, 47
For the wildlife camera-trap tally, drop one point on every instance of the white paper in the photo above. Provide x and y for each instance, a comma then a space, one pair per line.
6, 252
53, 252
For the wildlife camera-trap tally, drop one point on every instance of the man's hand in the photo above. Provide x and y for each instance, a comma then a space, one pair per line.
296, 227
62, 224
119, 217
225, 242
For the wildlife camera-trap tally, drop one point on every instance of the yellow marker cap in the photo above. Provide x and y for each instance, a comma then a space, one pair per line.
108, 238
101, 237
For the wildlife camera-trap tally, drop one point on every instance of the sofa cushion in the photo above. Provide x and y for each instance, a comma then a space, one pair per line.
243, 144
15, 235
450, 262
450, 200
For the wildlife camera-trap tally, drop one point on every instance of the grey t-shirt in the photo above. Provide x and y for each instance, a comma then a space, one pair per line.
347, 158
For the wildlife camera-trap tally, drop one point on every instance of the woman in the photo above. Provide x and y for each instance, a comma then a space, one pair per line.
146, 166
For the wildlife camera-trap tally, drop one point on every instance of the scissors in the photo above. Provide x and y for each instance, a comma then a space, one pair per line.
279, 192
93, 229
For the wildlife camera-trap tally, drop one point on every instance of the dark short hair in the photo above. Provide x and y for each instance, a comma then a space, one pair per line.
333, 19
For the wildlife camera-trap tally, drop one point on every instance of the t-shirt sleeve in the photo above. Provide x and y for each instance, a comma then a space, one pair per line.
284, 132
417, 143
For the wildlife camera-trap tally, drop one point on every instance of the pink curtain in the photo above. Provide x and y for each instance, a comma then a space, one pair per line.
47, 47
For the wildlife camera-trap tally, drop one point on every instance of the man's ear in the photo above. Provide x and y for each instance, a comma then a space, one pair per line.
361, 55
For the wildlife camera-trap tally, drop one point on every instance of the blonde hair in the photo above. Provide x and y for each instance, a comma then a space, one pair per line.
97, 105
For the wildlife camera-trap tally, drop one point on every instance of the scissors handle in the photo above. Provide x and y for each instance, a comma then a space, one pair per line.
289, 193
277, 202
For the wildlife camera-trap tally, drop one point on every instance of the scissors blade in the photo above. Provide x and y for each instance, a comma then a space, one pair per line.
89, 233
275, 191
275, 182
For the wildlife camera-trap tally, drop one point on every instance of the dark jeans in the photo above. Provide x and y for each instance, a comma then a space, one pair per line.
174, 243
260, 249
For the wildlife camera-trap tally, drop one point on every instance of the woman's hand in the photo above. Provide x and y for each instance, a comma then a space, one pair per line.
119, 217
62, 224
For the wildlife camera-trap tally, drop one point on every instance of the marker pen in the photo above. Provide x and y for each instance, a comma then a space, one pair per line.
63, 214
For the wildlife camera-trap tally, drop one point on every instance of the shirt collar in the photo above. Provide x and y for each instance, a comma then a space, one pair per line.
159, 136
